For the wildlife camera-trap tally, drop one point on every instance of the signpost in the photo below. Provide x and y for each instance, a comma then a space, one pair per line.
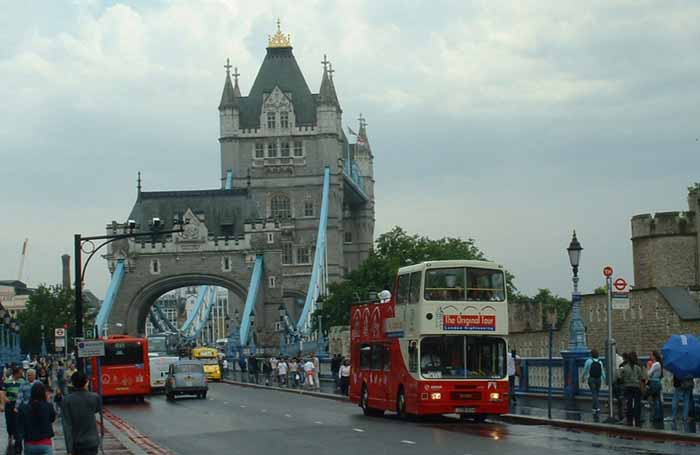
621, 296
60, 340
610, 348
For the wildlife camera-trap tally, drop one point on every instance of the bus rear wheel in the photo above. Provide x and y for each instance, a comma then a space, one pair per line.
364, 403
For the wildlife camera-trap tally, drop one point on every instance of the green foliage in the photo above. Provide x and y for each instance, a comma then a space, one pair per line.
695, 187
51, 306
602, 290
393, 249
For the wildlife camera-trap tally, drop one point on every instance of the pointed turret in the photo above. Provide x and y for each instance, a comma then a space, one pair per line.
228, 96
229, 105
326, 94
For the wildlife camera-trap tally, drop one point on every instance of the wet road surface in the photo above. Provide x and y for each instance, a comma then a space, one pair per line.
237, 420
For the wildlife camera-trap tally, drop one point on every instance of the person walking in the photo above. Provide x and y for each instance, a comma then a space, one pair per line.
512, 370
655, 374
309, 374
336, 361
282, 369
25, 389
79, 424
267, 371
273, 367
344, 376
682, 389
294, 372
594, 374
10, 395
61, 378
632, 376
253, 368
35, 422
316, 371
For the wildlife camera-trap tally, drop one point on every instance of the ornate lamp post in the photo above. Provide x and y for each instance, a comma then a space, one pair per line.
577, 329
578, 350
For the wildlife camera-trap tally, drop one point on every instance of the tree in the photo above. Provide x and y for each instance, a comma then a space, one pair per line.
50, 306
394, 249
550, 303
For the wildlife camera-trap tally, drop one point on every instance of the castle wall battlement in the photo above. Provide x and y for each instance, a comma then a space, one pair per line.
664, 224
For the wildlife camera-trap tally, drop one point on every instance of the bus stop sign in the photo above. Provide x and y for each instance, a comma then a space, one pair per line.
91, 348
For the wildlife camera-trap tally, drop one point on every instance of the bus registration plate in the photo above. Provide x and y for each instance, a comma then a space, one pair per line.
465, 410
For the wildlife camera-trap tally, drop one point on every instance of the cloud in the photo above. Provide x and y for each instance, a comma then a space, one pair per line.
509, 122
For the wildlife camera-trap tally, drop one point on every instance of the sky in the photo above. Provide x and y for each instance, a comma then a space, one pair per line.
512, 123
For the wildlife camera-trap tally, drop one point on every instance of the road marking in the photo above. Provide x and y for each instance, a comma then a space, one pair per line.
263, 410
406, 441
318, 422
359, 430
243, 406
287, 415
225, 402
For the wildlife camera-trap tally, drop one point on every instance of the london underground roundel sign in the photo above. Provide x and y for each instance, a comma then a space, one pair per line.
620, 284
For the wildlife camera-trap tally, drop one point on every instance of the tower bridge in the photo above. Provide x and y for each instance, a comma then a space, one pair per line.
294, 212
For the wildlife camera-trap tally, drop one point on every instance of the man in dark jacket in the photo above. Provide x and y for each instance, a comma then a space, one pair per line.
79, 425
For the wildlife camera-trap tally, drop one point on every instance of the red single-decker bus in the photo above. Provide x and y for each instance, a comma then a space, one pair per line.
124, 368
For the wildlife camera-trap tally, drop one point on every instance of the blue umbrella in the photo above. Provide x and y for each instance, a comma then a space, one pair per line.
682, 356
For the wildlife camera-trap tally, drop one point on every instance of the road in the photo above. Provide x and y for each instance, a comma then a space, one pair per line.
237, 420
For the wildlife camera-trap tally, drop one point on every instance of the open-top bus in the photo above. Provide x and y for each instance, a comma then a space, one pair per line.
210, 359
162, 352
437, 346
124, 367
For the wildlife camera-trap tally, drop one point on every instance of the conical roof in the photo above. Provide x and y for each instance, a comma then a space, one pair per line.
228, 96
326, 94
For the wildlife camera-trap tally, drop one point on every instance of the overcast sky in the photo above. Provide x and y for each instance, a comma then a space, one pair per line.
508, 122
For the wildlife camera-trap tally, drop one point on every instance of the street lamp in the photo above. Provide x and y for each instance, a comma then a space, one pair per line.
43, 342
577, 329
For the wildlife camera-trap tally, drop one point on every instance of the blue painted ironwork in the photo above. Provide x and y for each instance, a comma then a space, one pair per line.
251, 299
187, 327
319, 266
106, 308
165, 324
229, 180
206, 314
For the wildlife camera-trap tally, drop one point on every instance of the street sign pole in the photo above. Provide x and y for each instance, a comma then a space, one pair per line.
610, 354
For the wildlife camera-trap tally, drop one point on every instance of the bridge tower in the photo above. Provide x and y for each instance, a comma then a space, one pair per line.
277, 143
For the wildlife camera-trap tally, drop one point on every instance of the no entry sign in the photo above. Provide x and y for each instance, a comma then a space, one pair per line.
620, 284
608, 271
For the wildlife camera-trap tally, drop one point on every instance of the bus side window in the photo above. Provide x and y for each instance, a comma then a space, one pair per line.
377, 356
403, 289
365, 356
414, 292
387, 357
413, 356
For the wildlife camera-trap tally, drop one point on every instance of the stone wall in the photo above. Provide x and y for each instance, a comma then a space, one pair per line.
644, 327
524, 316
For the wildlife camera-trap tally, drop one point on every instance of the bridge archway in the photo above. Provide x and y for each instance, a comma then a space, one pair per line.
133, 320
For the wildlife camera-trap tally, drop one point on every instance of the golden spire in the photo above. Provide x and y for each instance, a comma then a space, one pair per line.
279, 39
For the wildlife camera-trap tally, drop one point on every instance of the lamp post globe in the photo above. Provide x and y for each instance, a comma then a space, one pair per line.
577, 328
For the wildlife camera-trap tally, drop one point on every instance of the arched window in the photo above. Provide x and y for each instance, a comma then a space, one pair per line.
280, 208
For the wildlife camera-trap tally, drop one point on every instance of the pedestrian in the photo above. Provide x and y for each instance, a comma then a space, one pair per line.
43, 376
294, 372
682, 391
273, 366
25, 390
317, 371
61, 378
267, 371
633, 378
512, 369
309, 374
253, 368
618, 389
655, 394
336, 361
594, 374
344, 376
35, 422
79, 424
282, 369
9, 400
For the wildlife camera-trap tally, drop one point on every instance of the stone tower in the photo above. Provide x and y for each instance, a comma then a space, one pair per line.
277, 141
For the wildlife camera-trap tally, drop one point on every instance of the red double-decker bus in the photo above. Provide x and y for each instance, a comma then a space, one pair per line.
125, 367
437, 346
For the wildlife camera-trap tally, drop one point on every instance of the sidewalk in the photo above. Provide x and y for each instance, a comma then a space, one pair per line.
532, 410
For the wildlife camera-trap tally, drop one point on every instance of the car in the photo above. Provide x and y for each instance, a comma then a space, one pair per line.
186, 377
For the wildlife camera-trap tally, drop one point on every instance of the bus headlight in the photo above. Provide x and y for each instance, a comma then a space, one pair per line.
436, 396
495, 396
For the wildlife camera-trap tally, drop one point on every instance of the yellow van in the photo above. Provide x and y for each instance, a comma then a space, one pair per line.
210, 359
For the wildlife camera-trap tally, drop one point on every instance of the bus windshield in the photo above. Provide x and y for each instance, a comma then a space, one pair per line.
465, 284
123, 353
462, 357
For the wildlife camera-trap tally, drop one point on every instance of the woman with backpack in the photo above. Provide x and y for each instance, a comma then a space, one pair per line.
633, 378
655, 394
35, 422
